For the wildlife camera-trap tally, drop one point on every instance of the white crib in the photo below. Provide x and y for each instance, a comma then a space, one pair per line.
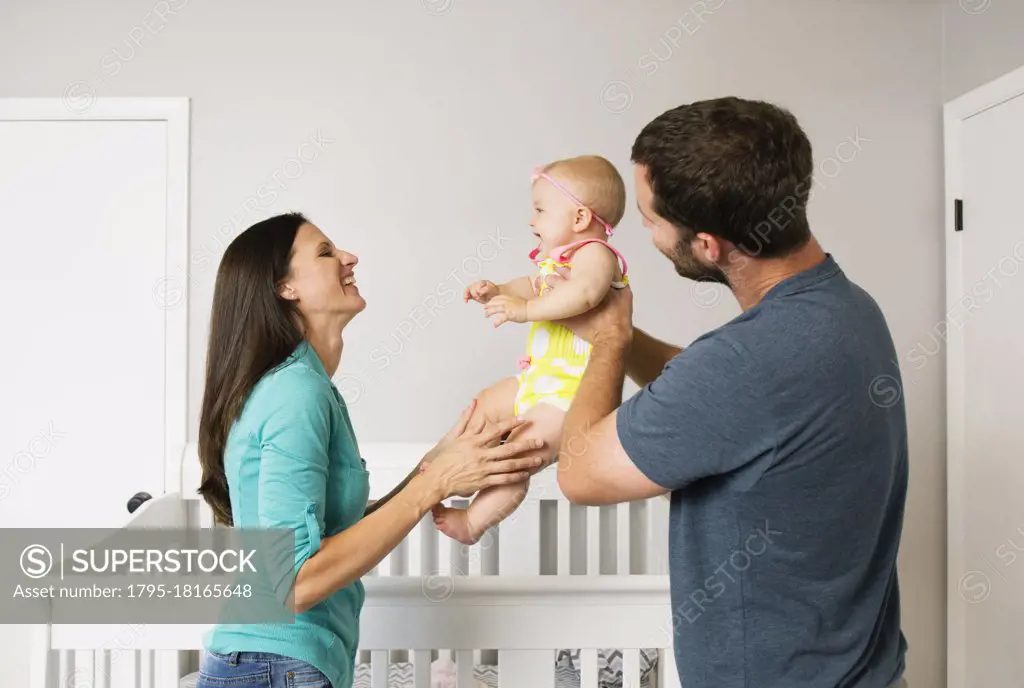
538, 603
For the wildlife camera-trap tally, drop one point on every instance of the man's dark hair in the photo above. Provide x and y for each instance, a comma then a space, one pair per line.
733, 168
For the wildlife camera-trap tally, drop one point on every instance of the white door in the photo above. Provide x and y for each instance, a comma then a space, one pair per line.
985, 319
93, 210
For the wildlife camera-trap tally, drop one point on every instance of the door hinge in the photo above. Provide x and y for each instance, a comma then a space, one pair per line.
958, 221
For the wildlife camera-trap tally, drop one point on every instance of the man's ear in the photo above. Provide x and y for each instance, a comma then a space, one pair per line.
704, 246
711, 248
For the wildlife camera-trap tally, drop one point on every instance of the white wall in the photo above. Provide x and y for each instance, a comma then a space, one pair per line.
982, 40
431, 116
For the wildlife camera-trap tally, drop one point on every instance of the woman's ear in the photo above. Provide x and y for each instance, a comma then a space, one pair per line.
286, 291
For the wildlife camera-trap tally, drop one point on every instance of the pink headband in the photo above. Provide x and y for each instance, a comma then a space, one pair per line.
540, 173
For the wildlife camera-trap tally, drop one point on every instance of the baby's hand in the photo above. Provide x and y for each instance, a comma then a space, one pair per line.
481, 291
506, 308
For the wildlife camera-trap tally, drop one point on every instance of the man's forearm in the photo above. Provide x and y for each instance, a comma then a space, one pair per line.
599, 394
647, 357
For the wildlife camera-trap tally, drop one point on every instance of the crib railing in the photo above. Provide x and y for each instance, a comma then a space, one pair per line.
552, 576
525, 619
545, 535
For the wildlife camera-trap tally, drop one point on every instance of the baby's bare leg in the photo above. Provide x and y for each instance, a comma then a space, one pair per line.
495, 404
494, 504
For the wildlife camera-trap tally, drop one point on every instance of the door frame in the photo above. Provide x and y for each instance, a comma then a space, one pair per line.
175, 113
955, 113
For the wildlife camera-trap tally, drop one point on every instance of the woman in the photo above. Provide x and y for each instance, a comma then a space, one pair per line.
278, 451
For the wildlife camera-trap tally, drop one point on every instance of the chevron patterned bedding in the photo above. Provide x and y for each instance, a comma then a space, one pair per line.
567, 672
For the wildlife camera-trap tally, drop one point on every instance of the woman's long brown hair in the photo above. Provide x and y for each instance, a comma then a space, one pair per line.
252, 330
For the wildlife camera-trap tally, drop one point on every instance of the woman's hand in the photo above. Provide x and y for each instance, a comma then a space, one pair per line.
456, 431
471, 457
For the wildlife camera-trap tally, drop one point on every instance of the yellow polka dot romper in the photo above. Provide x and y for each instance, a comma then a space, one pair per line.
555, 356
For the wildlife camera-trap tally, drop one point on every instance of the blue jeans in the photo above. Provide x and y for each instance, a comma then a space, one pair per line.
257, 670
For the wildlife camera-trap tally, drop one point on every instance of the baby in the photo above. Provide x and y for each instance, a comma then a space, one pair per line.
577, 202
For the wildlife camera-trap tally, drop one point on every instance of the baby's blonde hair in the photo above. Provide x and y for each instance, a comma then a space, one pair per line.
596, 182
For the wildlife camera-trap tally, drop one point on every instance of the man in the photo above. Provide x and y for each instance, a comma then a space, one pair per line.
781, 435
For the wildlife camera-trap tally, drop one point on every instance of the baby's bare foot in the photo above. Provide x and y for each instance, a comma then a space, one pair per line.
455, 524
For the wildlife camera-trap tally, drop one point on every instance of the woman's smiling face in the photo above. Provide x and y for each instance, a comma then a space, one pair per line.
322, 277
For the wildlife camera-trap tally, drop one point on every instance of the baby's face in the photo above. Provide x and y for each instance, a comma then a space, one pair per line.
552, 215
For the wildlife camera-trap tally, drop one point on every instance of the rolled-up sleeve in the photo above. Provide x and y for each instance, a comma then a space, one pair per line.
294, 443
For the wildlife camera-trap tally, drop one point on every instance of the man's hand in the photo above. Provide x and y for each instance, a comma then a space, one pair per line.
506, 308
611, 322
480, 291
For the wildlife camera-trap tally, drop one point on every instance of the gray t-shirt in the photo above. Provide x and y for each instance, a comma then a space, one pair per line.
783, 437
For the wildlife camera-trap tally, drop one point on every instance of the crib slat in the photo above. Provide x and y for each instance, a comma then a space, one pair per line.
414, 547
489, 553
123, 666
84, 673
444, 556
638, 536
400, 560
101, 677
429, 539
593, 541
205, 515
564, 540
145, 669
588, 668
476, 554
631, 669
622, 539
521, 668
64, 665
379, 669
547, 537
40, 675
488, 556
449, 554
459, 557
519, 541
657, 529
464, 669
166, 668
476, 561
668, 675
421, 669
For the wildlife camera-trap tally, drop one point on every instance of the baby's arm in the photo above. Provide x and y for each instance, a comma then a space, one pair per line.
484, 291
593, 271
521, 287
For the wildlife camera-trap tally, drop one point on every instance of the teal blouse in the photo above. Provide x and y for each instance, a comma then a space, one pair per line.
292, 461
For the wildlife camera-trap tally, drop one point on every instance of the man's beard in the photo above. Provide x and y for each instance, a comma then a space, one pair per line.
688, 266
